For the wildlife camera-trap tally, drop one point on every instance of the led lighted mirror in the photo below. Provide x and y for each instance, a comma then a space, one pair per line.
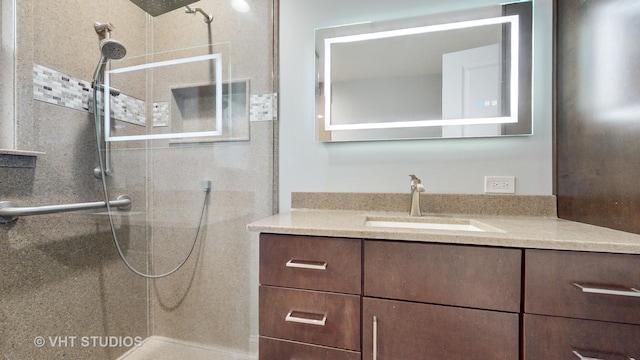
482, 67
207, 126
465, 74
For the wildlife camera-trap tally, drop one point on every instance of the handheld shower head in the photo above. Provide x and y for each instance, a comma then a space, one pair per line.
112, 49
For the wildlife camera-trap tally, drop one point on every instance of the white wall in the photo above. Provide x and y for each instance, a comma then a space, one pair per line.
444, 165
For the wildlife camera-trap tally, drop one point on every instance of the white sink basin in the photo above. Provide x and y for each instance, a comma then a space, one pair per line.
430, 223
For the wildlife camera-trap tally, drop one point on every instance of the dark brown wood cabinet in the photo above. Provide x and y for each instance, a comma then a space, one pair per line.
325, 298
581, 305
309, 298
459, 275
407, 330
558, 338
440, 299
311, 262
284, 349
313, 317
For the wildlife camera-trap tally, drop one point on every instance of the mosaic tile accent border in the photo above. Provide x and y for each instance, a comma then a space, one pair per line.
160, 114
129, 109
54, 87
263, 107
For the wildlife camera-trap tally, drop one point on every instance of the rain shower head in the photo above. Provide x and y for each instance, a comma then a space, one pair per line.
112, 49
159, 7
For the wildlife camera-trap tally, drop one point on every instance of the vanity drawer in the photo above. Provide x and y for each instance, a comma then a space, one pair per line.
309, 262
275, 349
469, 276
583, 285
312, 317
550, 338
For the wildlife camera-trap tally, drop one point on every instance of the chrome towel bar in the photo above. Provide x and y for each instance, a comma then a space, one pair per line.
10, 212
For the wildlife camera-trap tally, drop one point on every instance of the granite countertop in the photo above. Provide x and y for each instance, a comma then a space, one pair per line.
521, 231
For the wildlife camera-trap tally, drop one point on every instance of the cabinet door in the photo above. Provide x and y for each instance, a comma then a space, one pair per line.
551, 338
404, 330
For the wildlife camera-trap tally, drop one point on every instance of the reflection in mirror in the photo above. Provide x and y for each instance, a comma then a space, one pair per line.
464, 74
206, 126
193, 109
184, 96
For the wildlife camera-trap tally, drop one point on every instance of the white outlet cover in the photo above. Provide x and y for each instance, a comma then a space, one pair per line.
500, 184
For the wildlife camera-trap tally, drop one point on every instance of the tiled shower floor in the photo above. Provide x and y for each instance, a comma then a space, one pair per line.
159, 348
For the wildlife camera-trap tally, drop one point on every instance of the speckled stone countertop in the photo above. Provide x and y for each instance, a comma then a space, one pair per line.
533, 225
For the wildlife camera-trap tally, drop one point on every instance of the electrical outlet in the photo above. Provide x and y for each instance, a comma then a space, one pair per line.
500, 184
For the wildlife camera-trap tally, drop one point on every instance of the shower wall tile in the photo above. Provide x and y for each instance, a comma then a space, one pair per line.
221, 310
129, 109
213, 299
54, 87
161, 113
61, 275
57, 88
263, 107
65, 276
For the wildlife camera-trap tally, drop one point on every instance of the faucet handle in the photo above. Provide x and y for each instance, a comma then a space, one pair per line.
417, 183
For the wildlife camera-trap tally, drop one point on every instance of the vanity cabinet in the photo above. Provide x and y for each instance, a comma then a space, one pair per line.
447, 301
309, 297
581, 305
348, 299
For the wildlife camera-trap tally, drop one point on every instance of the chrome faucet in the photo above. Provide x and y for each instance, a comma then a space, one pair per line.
416, 189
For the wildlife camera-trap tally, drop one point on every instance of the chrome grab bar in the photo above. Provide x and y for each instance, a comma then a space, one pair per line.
10, 212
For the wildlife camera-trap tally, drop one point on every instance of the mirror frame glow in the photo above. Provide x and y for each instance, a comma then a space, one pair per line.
217, 58
512, 20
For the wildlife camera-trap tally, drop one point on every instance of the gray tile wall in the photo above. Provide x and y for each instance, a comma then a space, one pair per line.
61, 274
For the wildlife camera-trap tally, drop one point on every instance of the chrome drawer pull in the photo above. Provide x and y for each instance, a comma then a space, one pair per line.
604, 291
583, 357
308, 318
375, 338
306, 264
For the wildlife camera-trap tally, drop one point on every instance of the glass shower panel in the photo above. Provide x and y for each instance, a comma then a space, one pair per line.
221, 96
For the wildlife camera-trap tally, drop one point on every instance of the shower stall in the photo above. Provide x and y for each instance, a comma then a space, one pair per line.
186, 126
